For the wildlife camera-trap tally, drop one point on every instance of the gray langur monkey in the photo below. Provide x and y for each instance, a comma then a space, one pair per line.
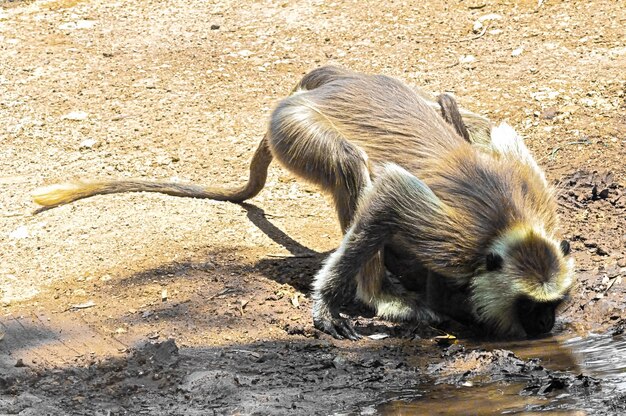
462, 200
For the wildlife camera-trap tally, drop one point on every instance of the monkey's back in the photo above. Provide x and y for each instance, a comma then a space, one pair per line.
382, 116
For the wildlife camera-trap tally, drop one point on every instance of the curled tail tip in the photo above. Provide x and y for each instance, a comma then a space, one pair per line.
57, 194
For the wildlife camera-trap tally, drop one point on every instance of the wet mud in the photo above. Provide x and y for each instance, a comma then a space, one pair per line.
402, 377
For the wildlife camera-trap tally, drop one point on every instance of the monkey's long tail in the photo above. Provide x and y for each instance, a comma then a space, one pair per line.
63, 193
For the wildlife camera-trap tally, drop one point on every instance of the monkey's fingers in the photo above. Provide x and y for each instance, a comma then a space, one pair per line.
348, 331
338, 328
327, 327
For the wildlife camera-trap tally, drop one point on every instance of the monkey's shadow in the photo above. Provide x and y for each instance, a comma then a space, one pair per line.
257, 216
299, 268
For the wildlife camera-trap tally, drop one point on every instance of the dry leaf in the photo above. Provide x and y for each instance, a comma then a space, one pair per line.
242, 305
294, 300
87, 144
446, 339
76, 116
616, 279
281, 293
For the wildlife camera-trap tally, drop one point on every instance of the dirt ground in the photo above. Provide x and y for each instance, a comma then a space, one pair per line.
150, 304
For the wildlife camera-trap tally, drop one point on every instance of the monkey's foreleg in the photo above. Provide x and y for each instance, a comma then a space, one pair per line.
335, 283
357, 263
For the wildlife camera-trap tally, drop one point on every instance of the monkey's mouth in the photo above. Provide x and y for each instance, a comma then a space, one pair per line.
537, 318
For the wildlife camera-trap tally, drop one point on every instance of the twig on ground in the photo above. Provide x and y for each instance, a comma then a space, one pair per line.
480, 35
556, 149
291, 256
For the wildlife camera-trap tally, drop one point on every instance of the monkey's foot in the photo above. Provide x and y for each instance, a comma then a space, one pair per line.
338, 327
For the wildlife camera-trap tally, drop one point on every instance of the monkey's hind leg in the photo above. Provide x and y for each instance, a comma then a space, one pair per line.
322, 76
307, 142
449, 300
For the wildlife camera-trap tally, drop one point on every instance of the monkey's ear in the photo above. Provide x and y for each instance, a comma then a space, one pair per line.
494, 262
565, 248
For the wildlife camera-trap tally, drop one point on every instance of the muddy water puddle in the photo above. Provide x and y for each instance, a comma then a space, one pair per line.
571, 376
478, 400
602, 356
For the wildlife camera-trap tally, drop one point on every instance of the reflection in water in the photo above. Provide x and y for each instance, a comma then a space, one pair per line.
551, 350
602, 357
490, 399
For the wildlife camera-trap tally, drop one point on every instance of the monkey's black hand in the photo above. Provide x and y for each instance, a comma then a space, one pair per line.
328, 320
338, 327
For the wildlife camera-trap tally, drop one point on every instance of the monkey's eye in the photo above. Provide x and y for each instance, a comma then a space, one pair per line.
565, 248
493, 262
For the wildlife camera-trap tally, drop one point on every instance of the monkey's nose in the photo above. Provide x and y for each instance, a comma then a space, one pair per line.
546, 322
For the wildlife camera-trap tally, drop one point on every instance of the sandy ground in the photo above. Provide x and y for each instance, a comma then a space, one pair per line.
183, 89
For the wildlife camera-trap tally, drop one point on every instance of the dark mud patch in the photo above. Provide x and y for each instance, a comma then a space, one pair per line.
597, 201
476, 367
593, 211
299, 378
585, 187
264, 378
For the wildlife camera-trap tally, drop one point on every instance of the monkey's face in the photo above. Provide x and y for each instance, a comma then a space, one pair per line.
526, 278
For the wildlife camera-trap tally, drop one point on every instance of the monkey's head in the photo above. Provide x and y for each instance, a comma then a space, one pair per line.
526, 275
